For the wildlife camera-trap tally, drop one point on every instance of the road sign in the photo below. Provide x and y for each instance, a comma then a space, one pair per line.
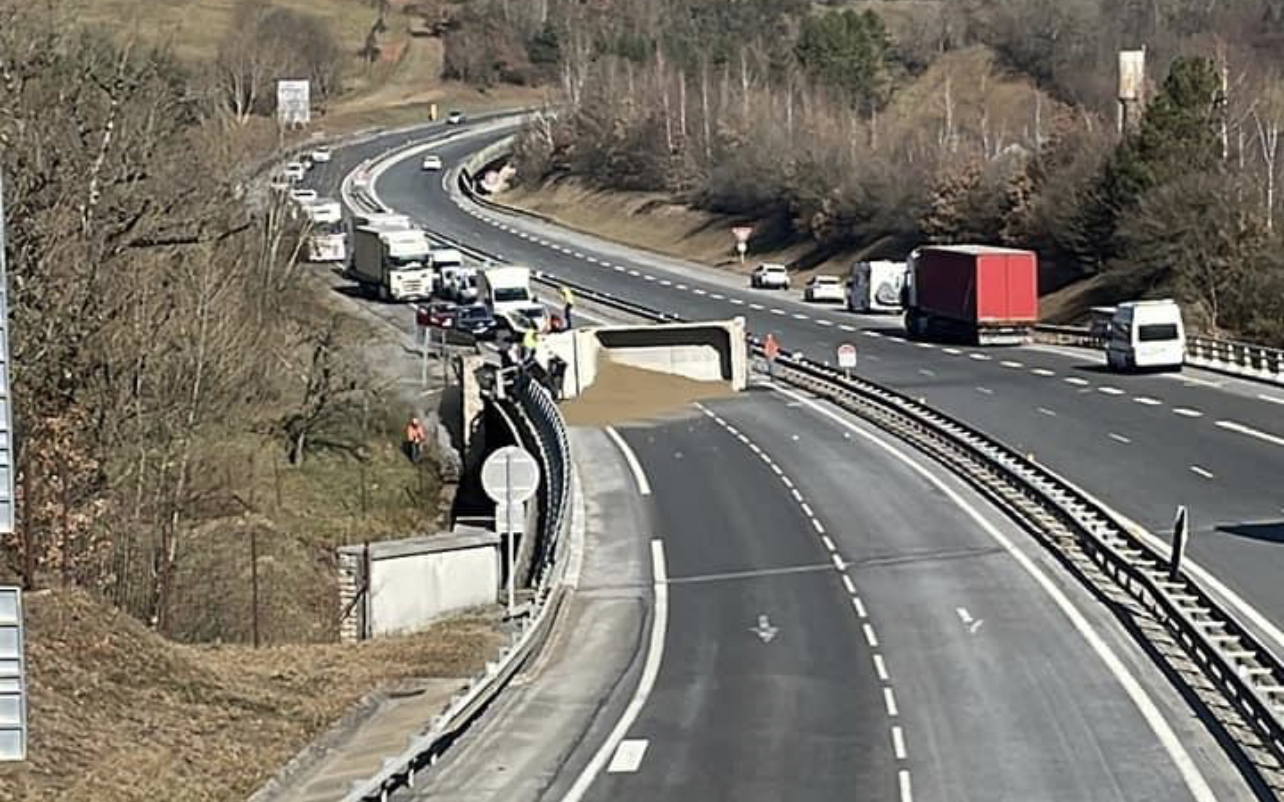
846, 356
13, 679
742, 234
510, 475
293, 103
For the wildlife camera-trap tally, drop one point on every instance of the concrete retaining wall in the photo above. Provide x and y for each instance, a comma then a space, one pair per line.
416, 581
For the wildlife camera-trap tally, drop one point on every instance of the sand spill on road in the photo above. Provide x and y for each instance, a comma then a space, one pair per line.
623, 394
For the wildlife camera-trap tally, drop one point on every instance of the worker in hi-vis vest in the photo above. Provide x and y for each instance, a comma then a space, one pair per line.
568, 301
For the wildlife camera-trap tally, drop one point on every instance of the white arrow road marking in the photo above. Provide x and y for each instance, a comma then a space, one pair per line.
765, 631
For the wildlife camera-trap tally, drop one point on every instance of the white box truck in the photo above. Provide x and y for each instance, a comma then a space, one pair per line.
506, 289
392, 262
876, 286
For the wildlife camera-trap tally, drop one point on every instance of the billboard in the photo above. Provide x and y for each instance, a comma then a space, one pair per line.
293, 103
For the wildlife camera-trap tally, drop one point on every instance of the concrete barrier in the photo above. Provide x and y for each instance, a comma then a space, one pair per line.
410, 583
706, 351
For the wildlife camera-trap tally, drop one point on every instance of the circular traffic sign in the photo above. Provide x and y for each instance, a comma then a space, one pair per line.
846, 355
510, 475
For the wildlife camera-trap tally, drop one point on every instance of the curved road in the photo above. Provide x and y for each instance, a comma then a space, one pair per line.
1144, 444
837, 627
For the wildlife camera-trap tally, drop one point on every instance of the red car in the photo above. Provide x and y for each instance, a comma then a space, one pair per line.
437, 315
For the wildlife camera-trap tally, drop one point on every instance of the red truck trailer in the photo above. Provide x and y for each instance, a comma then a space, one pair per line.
974, 293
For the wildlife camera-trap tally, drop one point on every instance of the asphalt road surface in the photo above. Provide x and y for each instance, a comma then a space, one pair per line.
932, 666
1142, 443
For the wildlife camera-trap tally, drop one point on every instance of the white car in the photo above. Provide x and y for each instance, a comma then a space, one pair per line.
824, 288
303, 195
294, 171
455, 118
770, 276
321, 156
432, 162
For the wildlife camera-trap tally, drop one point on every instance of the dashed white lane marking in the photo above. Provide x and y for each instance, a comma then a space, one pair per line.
680, 286
649, 277
979, 357
736, 301
1043, 372
777, 311
1076, 381
699, 291
799, 316
871, 639
1266, 437
592, 260
1187, 412
846, 327
1110, 390
927, 371
924, 345
848, 585
717, 296
644, 487
829, 543
1191, 381
1146, 400
634, 273
757, 307
963, 615
1198, 471
1012, 363
871, 333
1273, 399
952, 351
823, 323
628, 756
820, 530
806, 508
889, 699
1048, 412
1119, 438
579, 255
860, 609
789, 483
907, 793
898, 743
985, 390
880, 668
618, 268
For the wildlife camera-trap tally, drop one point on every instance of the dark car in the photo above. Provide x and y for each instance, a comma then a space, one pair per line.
477, 320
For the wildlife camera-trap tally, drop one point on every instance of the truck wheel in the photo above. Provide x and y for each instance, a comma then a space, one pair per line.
384, 295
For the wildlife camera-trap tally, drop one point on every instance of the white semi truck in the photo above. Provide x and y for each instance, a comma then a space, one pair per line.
326, 239
876, 286
391, 260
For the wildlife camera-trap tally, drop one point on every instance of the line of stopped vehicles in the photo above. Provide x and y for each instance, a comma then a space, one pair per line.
392, 259
964, 293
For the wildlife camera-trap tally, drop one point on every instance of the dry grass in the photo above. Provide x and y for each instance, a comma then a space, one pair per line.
118, 713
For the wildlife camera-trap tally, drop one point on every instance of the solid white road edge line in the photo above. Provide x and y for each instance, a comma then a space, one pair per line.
1190, 773
650, 670
644, 487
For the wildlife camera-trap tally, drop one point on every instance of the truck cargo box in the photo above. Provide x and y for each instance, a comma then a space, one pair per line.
976, 292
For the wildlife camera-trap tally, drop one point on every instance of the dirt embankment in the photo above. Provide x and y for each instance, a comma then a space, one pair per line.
118, 713
625, 394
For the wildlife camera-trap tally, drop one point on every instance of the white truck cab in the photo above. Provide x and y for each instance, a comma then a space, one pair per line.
876, 286
1146, 334
506, 289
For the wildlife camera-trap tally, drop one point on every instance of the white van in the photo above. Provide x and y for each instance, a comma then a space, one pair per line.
1146, 334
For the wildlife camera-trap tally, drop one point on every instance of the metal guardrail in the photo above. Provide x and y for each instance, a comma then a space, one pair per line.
1086, 536
1234, 357
1077, 529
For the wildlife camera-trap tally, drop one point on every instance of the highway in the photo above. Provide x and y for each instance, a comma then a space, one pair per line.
932, 666
841, 624
1143, 444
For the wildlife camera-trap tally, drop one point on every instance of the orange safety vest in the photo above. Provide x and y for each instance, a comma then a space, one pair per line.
414, 432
